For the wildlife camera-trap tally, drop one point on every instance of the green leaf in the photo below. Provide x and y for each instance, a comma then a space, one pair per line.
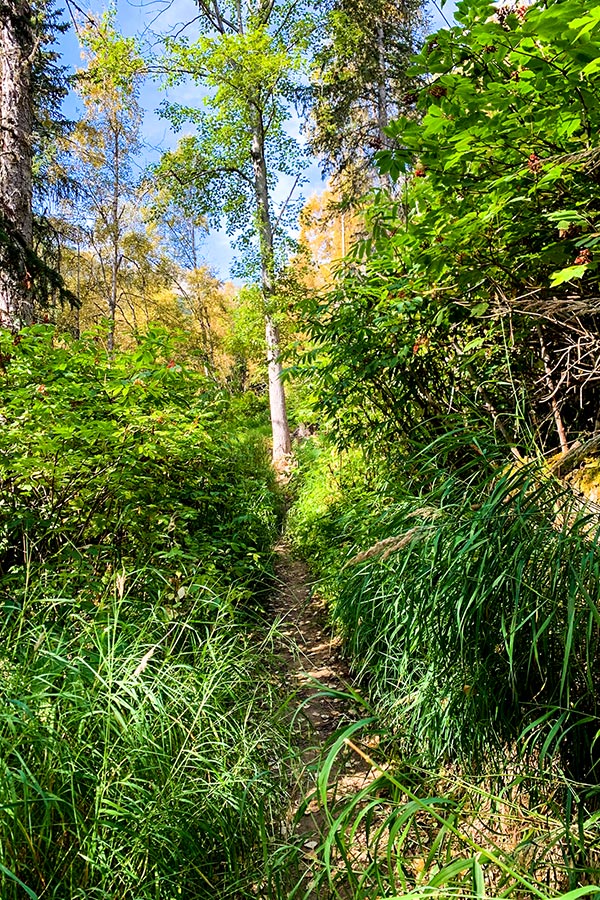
568, 274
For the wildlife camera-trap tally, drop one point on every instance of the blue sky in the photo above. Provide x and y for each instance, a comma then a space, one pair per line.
147, 18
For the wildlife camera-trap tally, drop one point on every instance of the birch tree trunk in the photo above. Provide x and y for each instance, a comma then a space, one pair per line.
16, 153
382, 100
115, 237
279, 422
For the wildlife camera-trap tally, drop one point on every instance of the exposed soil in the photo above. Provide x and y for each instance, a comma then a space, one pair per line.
313, 665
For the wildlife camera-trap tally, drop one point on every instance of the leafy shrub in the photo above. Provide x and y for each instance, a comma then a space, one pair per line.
332, 503
140, 726
124, 457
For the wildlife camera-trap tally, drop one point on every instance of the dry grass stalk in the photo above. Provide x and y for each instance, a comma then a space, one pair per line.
387, 546
425, 512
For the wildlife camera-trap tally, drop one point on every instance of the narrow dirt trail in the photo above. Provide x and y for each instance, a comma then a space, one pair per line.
313, 664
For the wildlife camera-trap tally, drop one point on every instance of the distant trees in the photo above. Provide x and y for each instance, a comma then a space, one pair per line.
327, 233
103, 147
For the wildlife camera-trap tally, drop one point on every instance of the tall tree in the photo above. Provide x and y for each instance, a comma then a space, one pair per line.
247, 60
17, 48
104, 146
32, 86
359, 83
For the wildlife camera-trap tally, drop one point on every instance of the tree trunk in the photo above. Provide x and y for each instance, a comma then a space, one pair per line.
279, 422
116, 241
16, 155
382, 100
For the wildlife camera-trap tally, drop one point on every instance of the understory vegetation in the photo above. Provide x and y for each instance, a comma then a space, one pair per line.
466, 597
449, 506
430, 340
142, 733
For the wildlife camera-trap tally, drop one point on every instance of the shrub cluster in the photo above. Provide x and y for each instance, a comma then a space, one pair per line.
140, 738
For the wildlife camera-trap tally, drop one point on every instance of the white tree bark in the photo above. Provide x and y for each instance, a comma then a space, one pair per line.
279, 423
16, 154
115, 237
382, 101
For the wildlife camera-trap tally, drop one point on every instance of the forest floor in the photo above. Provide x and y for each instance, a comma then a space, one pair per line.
314, 671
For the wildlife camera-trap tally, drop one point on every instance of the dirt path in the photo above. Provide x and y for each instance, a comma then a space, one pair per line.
313, 664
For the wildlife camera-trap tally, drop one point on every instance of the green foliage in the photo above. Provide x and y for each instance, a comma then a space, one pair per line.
141, 726
115, 61
49, 88
138, 738
246, 340
473, 288
330, 501
444, 835
359, 81
123, 457
465, 586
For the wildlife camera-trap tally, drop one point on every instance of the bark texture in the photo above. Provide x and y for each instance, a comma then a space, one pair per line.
17, 47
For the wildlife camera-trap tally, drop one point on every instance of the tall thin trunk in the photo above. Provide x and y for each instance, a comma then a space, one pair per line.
16, 155
382, 102
279, 422
112, 303
382, 99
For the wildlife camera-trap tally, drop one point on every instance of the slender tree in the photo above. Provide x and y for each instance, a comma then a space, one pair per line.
246, 59
103, 148
183, 229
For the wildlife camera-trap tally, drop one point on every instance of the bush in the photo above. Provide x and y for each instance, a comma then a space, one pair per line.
140, 725
125, 457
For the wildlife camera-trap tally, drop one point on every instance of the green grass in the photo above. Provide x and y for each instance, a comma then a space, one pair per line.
142, 747
469, 601
144, 735
411, 832
466, 589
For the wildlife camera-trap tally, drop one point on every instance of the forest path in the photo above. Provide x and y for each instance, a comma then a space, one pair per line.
313, 664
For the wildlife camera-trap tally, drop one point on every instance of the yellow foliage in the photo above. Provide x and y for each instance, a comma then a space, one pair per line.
326, 235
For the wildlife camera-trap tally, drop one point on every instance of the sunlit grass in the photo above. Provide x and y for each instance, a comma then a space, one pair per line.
466, 589
143, 747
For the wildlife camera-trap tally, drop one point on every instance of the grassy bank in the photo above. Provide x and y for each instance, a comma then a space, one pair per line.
142, 735
465, 588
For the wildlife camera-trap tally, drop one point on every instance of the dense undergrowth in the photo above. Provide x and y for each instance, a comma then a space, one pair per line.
142, 735
465, 589
447, 361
